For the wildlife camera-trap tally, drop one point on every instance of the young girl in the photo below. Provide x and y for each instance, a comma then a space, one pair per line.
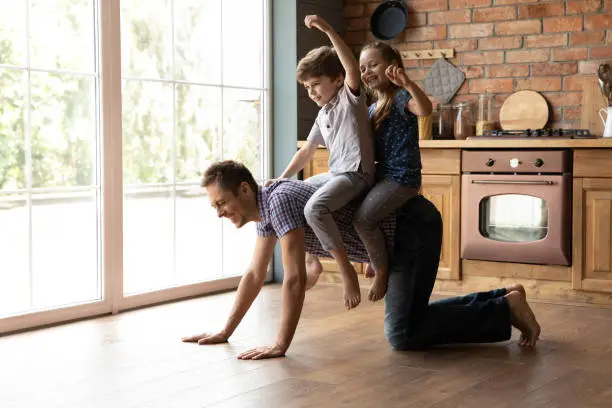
397, 154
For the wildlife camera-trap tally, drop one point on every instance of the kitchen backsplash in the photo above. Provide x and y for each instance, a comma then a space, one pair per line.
504, 45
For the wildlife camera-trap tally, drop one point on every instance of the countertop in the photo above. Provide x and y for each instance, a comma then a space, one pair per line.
528, 143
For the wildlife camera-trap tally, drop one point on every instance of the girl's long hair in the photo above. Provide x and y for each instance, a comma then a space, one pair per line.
384, 98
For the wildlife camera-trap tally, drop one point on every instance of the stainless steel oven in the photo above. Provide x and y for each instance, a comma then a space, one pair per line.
516, 206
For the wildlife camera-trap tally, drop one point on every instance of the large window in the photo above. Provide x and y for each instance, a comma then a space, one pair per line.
193, 88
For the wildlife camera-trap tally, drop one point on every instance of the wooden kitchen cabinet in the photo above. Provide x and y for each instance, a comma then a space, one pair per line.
444, 192
441, 185
592, 246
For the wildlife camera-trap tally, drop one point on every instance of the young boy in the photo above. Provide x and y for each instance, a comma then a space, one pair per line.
343, 126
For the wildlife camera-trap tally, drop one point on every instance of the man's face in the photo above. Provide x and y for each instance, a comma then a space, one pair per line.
322, 89
230, 206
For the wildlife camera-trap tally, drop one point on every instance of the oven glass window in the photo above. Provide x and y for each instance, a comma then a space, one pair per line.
513, 218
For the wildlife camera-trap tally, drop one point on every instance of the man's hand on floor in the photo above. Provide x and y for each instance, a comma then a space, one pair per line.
263, 352
206, 338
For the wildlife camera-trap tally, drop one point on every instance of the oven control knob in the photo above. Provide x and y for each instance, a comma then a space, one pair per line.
490, 163
514, 163
538, 163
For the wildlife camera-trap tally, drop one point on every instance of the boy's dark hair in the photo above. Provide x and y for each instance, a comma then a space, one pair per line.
229, 174
322, 61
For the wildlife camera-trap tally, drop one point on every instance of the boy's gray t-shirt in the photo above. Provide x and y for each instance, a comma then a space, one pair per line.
343, 126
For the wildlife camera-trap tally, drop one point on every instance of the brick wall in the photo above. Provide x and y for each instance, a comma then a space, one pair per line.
505, 45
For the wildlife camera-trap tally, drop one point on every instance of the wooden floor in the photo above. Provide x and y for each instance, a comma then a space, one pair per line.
338, 359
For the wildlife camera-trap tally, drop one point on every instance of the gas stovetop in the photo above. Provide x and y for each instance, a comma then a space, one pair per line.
555, 133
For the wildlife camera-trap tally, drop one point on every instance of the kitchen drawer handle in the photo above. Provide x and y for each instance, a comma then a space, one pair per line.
535, 182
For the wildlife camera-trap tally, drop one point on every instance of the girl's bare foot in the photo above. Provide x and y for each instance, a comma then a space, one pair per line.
379, 287
352, 294
522, 318
313, 270
370, 272
516, 287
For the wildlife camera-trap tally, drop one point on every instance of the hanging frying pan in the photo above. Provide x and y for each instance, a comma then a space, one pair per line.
389, 19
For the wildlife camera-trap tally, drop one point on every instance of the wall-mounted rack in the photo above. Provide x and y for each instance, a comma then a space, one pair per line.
428, 54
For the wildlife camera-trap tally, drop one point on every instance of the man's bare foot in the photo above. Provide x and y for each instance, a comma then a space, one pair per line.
516, 287
313, 270
379, 287
352, 294
522, 318
370, 272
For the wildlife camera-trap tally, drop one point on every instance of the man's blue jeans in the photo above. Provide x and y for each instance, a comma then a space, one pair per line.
411, 322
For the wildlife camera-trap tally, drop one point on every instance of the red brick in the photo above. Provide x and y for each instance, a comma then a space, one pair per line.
597, 22
539, 55
466, 98
609, 37
494, 14
541, 41
416, 74
569, 54
470, 30
547, 68
425, 33
395, 42
607, 5
564, 99
588, 67
556, 115
502, 2
371, 7
425, 45
500, 43
508, 70
518, 27
417, 19
458, 45
583, 6
491, 85
467, 4
562, 24
429, 62
552, 83
592, 37
450, 17
464, 88
572, 113
601, 52
541, 10
354, 37
474, 72
357, 24
575, 83
426, 5
483, 58
353, 10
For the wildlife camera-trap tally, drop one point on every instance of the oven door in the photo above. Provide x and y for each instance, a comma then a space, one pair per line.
516, 218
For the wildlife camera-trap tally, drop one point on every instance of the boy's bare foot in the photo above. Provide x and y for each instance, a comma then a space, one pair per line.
516, 287
522, 318
313, 270
352, 294
379, 287
370, 272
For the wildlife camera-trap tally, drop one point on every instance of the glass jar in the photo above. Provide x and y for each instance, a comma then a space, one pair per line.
464, 124
446, 122
485, 114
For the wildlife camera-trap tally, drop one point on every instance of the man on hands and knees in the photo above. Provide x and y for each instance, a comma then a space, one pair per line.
413, 235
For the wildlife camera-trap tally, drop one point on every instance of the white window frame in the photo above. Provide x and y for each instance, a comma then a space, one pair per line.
110, 129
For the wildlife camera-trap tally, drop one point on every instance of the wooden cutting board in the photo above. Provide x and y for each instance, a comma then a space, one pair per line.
592, 101
524, 110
